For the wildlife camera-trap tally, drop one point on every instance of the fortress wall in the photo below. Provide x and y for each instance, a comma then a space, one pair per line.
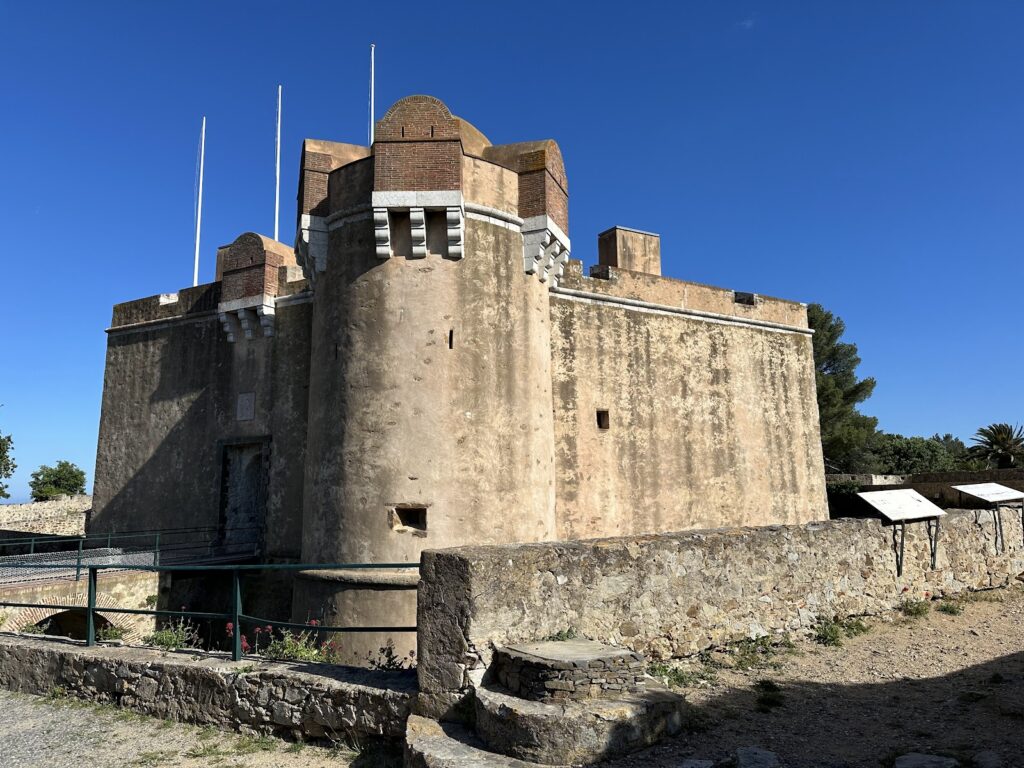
675, 594
709, 424
63, 516
173, 398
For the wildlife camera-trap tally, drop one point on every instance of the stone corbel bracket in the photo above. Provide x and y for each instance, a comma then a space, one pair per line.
546, 249
417, 204
311, 246
251, 317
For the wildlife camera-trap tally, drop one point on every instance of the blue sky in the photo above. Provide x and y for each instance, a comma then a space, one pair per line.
868, 156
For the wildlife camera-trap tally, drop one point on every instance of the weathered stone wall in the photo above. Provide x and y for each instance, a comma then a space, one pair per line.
709, 424
675, 594
276, 698
64, 516
173, 400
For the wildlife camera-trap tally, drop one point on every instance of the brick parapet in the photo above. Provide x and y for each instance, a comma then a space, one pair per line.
596, 676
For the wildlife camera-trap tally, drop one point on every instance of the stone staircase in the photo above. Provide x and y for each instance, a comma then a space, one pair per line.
552, 703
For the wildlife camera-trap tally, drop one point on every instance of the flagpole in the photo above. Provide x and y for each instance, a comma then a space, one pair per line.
199, 206
277, 165
371, 93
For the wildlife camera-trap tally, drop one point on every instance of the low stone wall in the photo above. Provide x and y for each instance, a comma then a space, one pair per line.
307, 701
64, 516
675, 594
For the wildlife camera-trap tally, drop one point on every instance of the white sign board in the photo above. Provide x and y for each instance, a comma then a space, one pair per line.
991, 492
901, 505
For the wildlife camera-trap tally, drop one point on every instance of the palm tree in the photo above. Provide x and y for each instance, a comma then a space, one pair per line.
999, 444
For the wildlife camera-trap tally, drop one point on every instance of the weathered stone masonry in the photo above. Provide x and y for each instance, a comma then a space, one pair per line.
675, 594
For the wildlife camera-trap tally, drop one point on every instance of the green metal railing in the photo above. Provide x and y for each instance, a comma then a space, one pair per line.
236, 616
174, 545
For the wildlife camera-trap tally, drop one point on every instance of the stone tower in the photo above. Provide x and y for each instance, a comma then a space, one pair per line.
430, 412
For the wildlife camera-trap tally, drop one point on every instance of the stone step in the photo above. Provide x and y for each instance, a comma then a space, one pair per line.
554, 670
574, 732
430, 744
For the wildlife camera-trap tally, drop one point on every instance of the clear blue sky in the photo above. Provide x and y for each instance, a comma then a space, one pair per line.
868, 156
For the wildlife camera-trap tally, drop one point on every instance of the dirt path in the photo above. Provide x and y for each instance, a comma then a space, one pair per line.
38, 732
940, 683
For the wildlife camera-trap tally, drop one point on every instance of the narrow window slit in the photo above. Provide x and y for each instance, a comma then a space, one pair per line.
603, 420
451, 338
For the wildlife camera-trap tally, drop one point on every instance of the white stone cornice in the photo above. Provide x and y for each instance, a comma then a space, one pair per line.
546, 249
311, 245
417, 205
418, 227
247, 316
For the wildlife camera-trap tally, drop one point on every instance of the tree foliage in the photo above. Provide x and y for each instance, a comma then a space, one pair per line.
846, 434
898, 455
7, 465
999, 445
65, 479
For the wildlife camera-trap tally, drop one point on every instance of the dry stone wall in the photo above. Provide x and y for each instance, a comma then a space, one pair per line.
675, 594
274, 698
63, 516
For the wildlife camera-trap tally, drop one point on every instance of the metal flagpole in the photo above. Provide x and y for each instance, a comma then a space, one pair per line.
372, 46
199, 205
277, 165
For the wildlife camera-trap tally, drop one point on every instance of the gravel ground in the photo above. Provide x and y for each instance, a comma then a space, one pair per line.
64, 733
938, 684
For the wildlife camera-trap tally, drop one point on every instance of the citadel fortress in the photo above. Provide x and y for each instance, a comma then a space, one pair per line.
428, 367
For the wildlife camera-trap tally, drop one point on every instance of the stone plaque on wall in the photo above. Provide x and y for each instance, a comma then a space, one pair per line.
246, 408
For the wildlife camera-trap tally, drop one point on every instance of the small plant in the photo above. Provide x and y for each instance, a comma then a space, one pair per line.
110, 632
254, 744
760, 652
35, 629
565, 634
150, 601
387, 659
950, 607
855, 626
294, 646
675, 676
828, 632
179, 634
769, 695
914, 609
831, 632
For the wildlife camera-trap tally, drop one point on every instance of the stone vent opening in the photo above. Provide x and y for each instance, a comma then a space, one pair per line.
451, 338
409, 518
604, 420
743, 297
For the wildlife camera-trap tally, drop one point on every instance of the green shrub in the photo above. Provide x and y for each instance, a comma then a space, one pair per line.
35, 629
914, 609
179, 634
675, 676
828, 632
294, 646
110, 632
388, 659
950, 607
565, 634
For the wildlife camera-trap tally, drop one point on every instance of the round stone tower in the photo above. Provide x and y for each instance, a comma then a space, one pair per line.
430, 404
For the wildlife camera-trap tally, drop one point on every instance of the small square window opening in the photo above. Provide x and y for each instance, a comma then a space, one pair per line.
603, 420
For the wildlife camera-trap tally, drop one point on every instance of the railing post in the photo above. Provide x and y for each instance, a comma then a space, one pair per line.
90, 610
156, 554
108, 540
236, 635
32, 546
78, 562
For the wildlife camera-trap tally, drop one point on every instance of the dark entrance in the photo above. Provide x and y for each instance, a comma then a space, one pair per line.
243, 497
